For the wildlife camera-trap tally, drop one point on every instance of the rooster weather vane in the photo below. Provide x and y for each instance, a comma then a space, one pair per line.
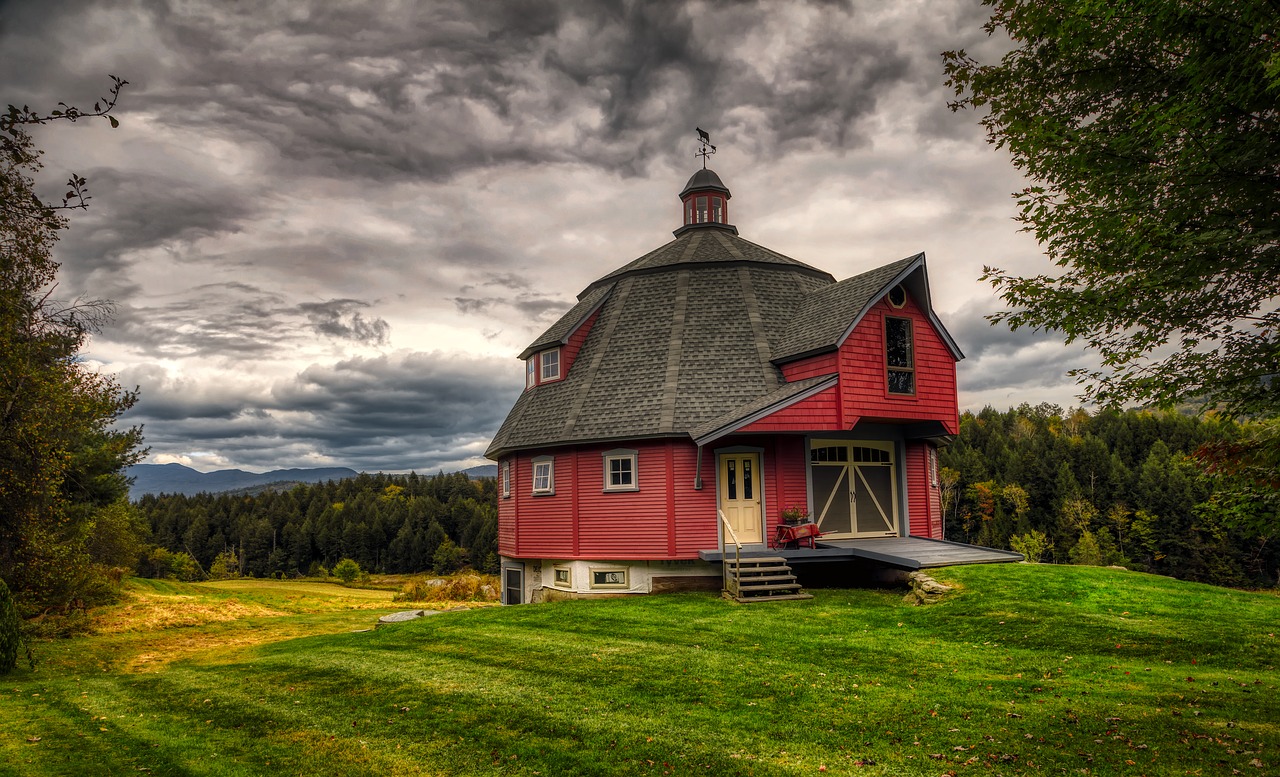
705, 149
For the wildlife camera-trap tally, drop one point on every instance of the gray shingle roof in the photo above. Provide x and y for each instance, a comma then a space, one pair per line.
774, 400
687, 340
828, 314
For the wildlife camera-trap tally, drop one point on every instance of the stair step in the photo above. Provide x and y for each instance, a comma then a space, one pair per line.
769, 587
756, 560
761, 570
767, 579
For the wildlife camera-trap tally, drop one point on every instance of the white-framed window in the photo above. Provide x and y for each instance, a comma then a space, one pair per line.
562, 576
544, 475
608, 577
531, 372
933, 466
621, 472
550, 364
900, 359
506, 480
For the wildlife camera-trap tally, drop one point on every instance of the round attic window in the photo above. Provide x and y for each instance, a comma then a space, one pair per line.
897, 296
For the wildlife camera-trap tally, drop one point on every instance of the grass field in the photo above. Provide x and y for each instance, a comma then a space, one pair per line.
1026, 669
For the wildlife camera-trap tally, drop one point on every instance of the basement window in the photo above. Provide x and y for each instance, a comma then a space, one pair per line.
562, 576
900, 358
608, 577
544, 475
620, 471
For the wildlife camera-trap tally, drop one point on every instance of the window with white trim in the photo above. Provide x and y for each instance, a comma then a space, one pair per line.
506, 480
608, 577
620, 471
531, 372
544, 475
933, 466
550, 364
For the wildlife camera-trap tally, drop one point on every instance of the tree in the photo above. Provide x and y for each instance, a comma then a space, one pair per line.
347, 570
1150, 133
60, 455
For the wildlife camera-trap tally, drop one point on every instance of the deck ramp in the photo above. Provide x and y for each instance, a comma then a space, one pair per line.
919, 552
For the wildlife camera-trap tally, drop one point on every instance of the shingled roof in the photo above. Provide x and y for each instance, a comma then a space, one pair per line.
688, 338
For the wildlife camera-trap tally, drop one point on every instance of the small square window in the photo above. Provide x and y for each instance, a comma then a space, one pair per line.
563, 577
551, 364
611, 577
544, 477
620, 471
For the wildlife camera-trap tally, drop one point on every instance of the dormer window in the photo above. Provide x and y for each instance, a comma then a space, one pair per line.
550, 364
531, 372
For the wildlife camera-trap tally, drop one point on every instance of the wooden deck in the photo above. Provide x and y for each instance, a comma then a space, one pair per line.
900, 552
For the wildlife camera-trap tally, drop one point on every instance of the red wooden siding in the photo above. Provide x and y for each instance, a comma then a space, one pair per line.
569, 351
864, 384
812, 367
924, 501
818, 412
666, 519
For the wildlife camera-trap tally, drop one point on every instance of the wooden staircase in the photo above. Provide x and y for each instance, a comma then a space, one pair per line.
761, 579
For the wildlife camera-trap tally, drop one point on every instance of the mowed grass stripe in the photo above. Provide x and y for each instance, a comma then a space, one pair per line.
1027, 669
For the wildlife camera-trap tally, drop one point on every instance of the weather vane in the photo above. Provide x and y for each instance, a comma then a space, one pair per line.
705, 149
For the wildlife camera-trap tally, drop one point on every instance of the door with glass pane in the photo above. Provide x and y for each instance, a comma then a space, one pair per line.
854, 488
740, 485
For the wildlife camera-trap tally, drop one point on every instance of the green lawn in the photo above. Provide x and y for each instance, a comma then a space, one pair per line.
1025, 670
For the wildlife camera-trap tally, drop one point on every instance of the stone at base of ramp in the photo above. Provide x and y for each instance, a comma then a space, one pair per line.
401, 617
924, 589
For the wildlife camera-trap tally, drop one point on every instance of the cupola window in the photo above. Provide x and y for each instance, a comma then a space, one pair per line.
702, 210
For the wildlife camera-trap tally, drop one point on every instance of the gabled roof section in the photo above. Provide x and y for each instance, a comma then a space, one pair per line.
707, 246
828, 315
560, 332
760, 407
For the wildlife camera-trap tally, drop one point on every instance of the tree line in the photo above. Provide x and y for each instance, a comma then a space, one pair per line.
385, 523
1129, 488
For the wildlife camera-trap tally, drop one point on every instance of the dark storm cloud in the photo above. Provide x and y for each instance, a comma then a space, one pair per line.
340, 318
428, 90
420, 410
238, 320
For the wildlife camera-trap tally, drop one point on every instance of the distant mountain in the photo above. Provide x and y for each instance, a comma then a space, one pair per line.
482, 471
177, 479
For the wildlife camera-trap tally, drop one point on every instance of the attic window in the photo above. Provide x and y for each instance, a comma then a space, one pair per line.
551, 364
531, 372
898, 296
899, 355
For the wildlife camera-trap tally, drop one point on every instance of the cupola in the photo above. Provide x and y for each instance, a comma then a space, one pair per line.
705, 202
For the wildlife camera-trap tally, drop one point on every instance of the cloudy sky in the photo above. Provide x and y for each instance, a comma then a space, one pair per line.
331, 226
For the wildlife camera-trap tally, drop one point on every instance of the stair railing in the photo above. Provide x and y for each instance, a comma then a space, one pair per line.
737, 553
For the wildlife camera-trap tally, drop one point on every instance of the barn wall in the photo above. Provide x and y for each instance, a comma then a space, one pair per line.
863, 372
812, 367
819, 412
924, 499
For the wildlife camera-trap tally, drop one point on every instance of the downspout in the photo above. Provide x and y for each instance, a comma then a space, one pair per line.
697, 472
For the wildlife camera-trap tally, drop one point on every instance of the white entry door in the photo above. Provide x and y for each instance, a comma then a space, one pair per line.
740, 501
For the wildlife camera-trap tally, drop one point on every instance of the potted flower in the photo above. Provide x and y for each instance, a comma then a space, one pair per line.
793, 515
